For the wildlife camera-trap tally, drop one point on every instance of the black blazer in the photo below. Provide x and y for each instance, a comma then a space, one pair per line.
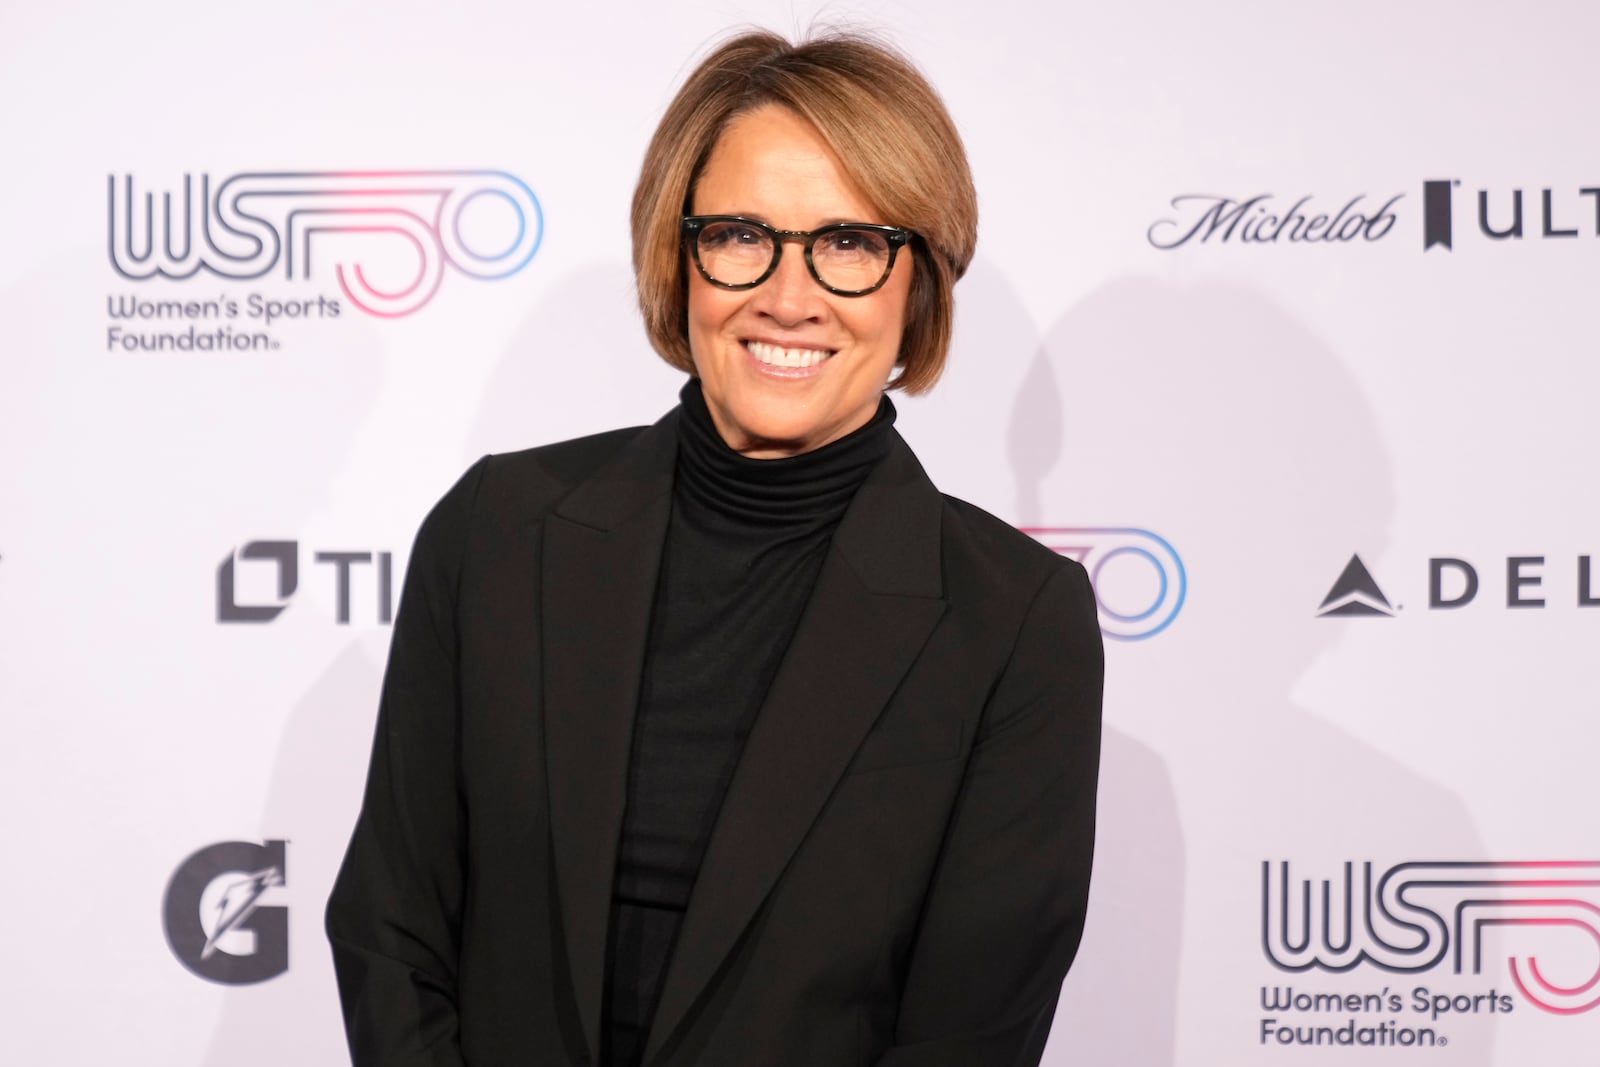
899, 872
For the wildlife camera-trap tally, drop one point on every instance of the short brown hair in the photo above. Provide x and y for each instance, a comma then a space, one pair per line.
891, 133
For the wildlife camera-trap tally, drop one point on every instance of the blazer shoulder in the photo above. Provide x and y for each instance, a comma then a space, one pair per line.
504, 491
999, 549
523, 485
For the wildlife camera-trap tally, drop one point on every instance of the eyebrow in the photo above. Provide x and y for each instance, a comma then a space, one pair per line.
834, 220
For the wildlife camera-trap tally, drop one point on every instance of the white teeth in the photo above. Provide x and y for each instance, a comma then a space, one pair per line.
776, 356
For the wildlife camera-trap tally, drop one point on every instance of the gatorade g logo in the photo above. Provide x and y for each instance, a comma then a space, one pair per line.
216, 924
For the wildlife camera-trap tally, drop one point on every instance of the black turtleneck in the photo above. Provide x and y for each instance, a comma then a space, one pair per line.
744, 546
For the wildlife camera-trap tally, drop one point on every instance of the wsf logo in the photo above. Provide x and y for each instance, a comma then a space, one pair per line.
484, 224
1139, 581
1416, 917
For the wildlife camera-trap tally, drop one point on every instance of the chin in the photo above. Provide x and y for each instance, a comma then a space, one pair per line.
775, 430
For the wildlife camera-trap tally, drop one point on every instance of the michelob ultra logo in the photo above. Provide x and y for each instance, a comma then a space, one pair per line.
1416, 917
1266, 219
1139, 581
484, 224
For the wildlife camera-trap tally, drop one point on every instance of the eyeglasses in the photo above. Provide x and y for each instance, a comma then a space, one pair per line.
847, 259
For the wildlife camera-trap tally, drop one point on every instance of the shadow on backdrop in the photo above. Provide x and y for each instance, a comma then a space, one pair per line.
578, 364
579, 352
1130, 946
314, 790
313, 798
1207, 414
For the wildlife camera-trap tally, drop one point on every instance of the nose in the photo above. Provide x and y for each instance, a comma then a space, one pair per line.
791, 296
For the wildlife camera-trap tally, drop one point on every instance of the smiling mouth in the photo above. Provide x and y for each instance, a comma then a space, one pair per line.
779, 356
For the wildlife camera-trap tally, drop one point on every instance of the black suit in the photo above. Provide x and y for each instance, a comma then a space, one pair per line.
899, 872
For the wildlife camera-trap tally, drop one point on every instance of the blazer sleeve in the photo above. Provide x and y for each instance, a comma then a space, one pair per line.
1006, 907
394, 916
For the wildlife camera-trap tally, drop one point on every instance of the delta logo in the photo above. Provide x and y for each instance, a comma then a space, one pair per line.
1454, 583
1355, 592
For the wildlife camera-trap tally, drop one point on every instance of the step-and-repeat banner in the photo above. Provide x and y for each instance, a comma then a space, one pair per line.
1282, 322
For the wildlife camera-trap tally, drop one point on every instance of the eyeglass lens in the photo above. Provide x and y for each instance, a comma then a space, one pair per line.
736, 253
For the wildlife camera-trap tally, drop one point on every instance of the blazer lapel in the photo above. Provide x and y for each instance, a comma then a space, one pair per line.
876, 601
602, 547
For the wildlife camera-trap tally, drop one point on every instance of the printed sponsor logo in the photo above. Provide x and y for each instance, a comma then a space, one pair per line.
284, 559
1420, 917
1454, 583
1496, 215
1204, 218
390, 238
216, 923
1355, 593
1507, 215
1138, 578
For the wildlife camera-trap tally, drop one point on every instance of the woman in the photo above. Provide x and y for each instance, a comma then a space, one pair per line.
729, 741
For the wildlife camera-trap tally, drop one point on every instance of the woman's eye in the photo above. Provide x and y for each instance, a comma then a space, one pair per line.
854, 242
732, 235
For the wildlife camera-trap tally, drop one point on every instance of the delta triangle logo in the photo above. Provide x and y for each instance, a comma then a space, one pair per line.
1355, 593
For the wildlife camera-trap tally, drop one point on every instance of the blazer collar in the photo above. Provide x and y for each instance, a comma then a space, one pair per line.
638, 478
600, 552
877, 598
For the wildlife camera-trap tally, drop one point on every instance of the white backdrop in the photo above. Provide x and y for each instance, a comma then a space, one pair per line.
1250, 414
